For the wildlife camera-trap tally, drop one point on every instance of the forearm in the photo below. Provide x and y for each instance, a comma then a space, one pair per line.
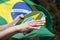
3, 27
12, 23
9, 31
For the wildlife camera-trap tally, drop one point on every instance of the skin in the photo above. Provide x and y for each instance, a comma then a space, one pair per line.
11, 28
12, 23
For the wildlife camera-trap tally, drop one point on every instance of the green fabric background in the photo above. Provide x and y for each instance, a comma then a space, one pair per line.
2, 21
2, 1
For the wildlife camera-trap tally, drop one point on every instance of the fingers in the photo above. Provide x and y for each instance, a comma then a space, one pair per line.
36, 23
35, 28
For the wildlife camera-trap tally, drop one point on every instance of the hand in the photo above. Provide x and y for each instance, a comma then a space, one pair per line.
30, 25
3, 27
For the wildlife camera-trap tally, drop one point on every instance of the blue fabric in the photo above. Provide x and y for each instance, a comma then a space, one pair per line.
20, 5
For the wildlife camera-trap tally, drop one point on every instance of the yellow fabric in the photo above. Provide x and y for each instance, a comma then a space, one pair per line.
5, 9
34, 16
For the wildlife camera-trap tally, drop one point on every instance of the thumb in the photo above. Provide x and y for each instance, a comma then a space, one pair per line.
17, 19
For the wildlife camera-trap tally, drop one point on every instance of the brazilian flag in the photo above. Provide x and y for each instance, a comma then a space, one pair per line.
10, 9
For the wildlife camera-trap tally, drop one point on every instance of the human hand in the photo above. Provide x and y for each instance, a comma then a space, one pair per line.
34, 25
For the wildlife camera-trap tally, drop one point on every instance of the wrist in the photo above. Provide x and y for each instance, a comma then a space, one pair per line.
17, 28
